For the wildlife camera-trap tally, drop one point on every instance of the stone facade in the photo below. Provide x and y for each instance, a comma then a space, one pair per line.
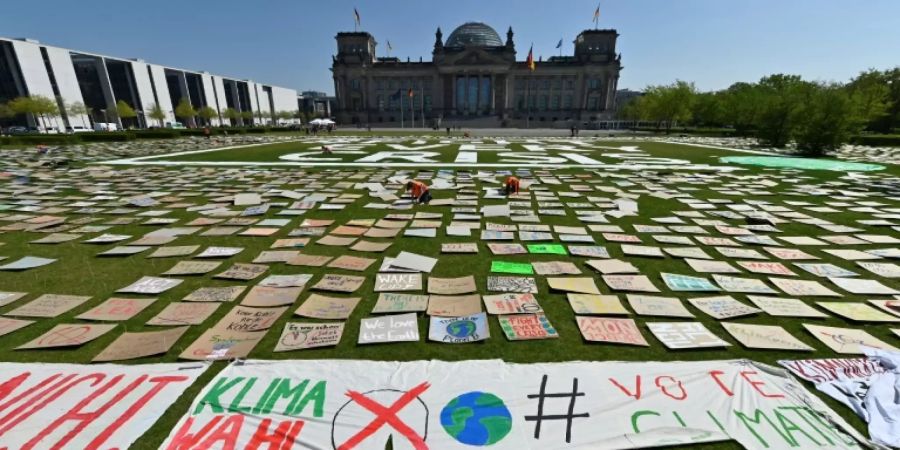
474, 79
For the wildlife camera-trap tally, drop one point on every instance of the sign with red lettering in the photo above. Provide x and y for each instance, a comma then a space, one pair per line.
70, 406
345, 404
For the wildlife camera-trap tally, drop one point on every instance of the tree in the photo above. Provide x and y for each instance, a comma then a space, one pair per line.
248, 117
741, 103
707, 110
779, 109
77, 109
156, 113
207, 113
185, 111
669, 104
827, 119
124, 110
232, 114
870, 92
36, 106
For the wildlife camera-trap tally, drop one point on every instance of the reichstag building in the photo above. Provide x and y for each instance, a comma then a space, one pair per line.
475, 79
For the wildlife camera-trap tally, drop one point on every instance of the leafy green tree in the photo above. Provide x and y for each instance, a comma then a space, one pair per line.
185, 111
741, 104
248, 117
36, 106
780, 107
869, 92
207, 113
669, 104
6, 111
707, 110
125, 111
233, 115
827, 119
156, 113
78, 109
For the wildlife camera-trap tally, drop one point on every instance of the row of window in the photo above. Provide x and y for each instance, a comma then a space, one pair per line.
552, 102
393, 102
521, 84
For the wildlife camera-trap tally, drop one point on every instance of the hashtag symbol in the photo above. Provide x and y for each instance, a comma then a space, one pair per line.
568, 416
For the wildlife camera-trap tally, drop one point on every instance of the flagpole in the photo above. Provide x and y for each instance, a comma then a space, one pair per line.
422, 92
402, 123
412, 111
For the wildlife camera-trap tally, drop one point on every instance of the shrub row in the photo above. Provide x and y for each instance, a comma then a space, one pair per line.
123, 136
877, 140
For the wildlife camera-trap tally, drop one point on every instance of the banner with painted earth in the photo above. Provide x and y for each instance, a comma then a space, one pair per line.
90, 407
332, 404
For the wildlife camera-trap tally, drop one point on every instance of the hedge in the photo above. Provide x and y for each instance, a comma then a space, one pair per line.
111, 136
877, 140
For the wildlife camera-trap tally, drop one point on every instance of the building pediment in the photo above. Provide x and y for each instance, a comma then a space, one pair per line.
473, 56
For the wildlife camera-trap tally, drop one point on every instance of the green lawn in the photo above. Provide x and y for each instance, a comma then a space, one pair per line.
80, 272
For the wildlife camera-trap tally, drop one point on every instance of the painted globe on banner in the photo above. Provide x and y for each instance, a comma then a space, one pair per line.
461, 328
476, 418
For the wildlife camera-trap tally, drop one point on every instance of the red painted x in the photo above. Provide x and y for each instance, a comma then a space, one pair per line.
387, 416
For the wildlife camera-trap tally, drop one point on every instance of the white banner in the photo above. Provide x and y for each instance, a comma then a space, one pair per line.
342, 405
90, 407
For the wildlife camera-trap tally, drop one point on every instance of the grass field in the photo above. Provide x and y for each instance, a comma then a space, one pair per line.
80, 272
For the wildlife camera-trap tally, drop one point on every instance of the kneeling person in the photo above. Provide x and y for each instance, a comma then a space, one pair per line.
418, 191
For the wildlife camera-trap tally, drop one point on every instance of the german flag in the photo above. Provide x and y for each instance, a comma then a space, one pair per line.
356, 17
530, 60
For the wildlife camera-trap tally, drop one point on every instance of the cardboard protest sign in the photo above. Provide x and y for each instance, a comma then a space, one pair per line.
140, 345
362, 404
551, 249
768, 337
217, 344
169, 252
451, 286
8, 325
519, 327
393, 303
511, 304
511, 267
582, 285
68, 335
184, 313
9, 297
219, 252
150, 285
683, 283
339, 283
49, 305
615, 331
215, 294
631, 283
678, 335
398, 282
265, 296
611, 266
512, 284
391, 328
506, 249
803, 288
863, 287
53, 401
285, 281
310, 260
454, 305
646, 305
555, 268
412, 261
299, 336
242, 319
593, 304
459, 247
785, 307
846, 340
458, 330
117, 309
242, 271
859, 312
330, 308
723, 307
354, 263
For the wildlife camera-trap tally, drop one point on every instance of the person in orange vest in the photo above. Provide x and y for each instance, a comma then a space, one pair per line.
512, 185
419, 191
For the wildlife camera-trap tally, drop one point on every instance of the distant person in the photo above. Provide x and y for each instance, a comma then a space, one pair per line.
327, 150
448, 131
512, 185
572, 131
418, 191
207, 133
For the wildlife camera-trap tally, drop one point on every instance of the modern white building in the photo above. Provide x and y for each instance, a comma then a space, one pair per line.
71, 77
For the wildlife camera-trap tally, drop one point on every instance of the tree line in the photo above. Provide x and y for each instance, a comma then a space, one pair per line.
779, 110
41, 109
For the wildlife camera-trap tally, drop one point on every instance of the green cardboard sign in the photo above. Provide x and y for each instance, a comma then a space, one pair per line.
552, 249
511, 267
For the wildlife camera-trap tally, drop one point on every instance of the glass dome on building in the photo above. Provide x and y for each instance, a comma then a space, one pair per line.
474, 34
